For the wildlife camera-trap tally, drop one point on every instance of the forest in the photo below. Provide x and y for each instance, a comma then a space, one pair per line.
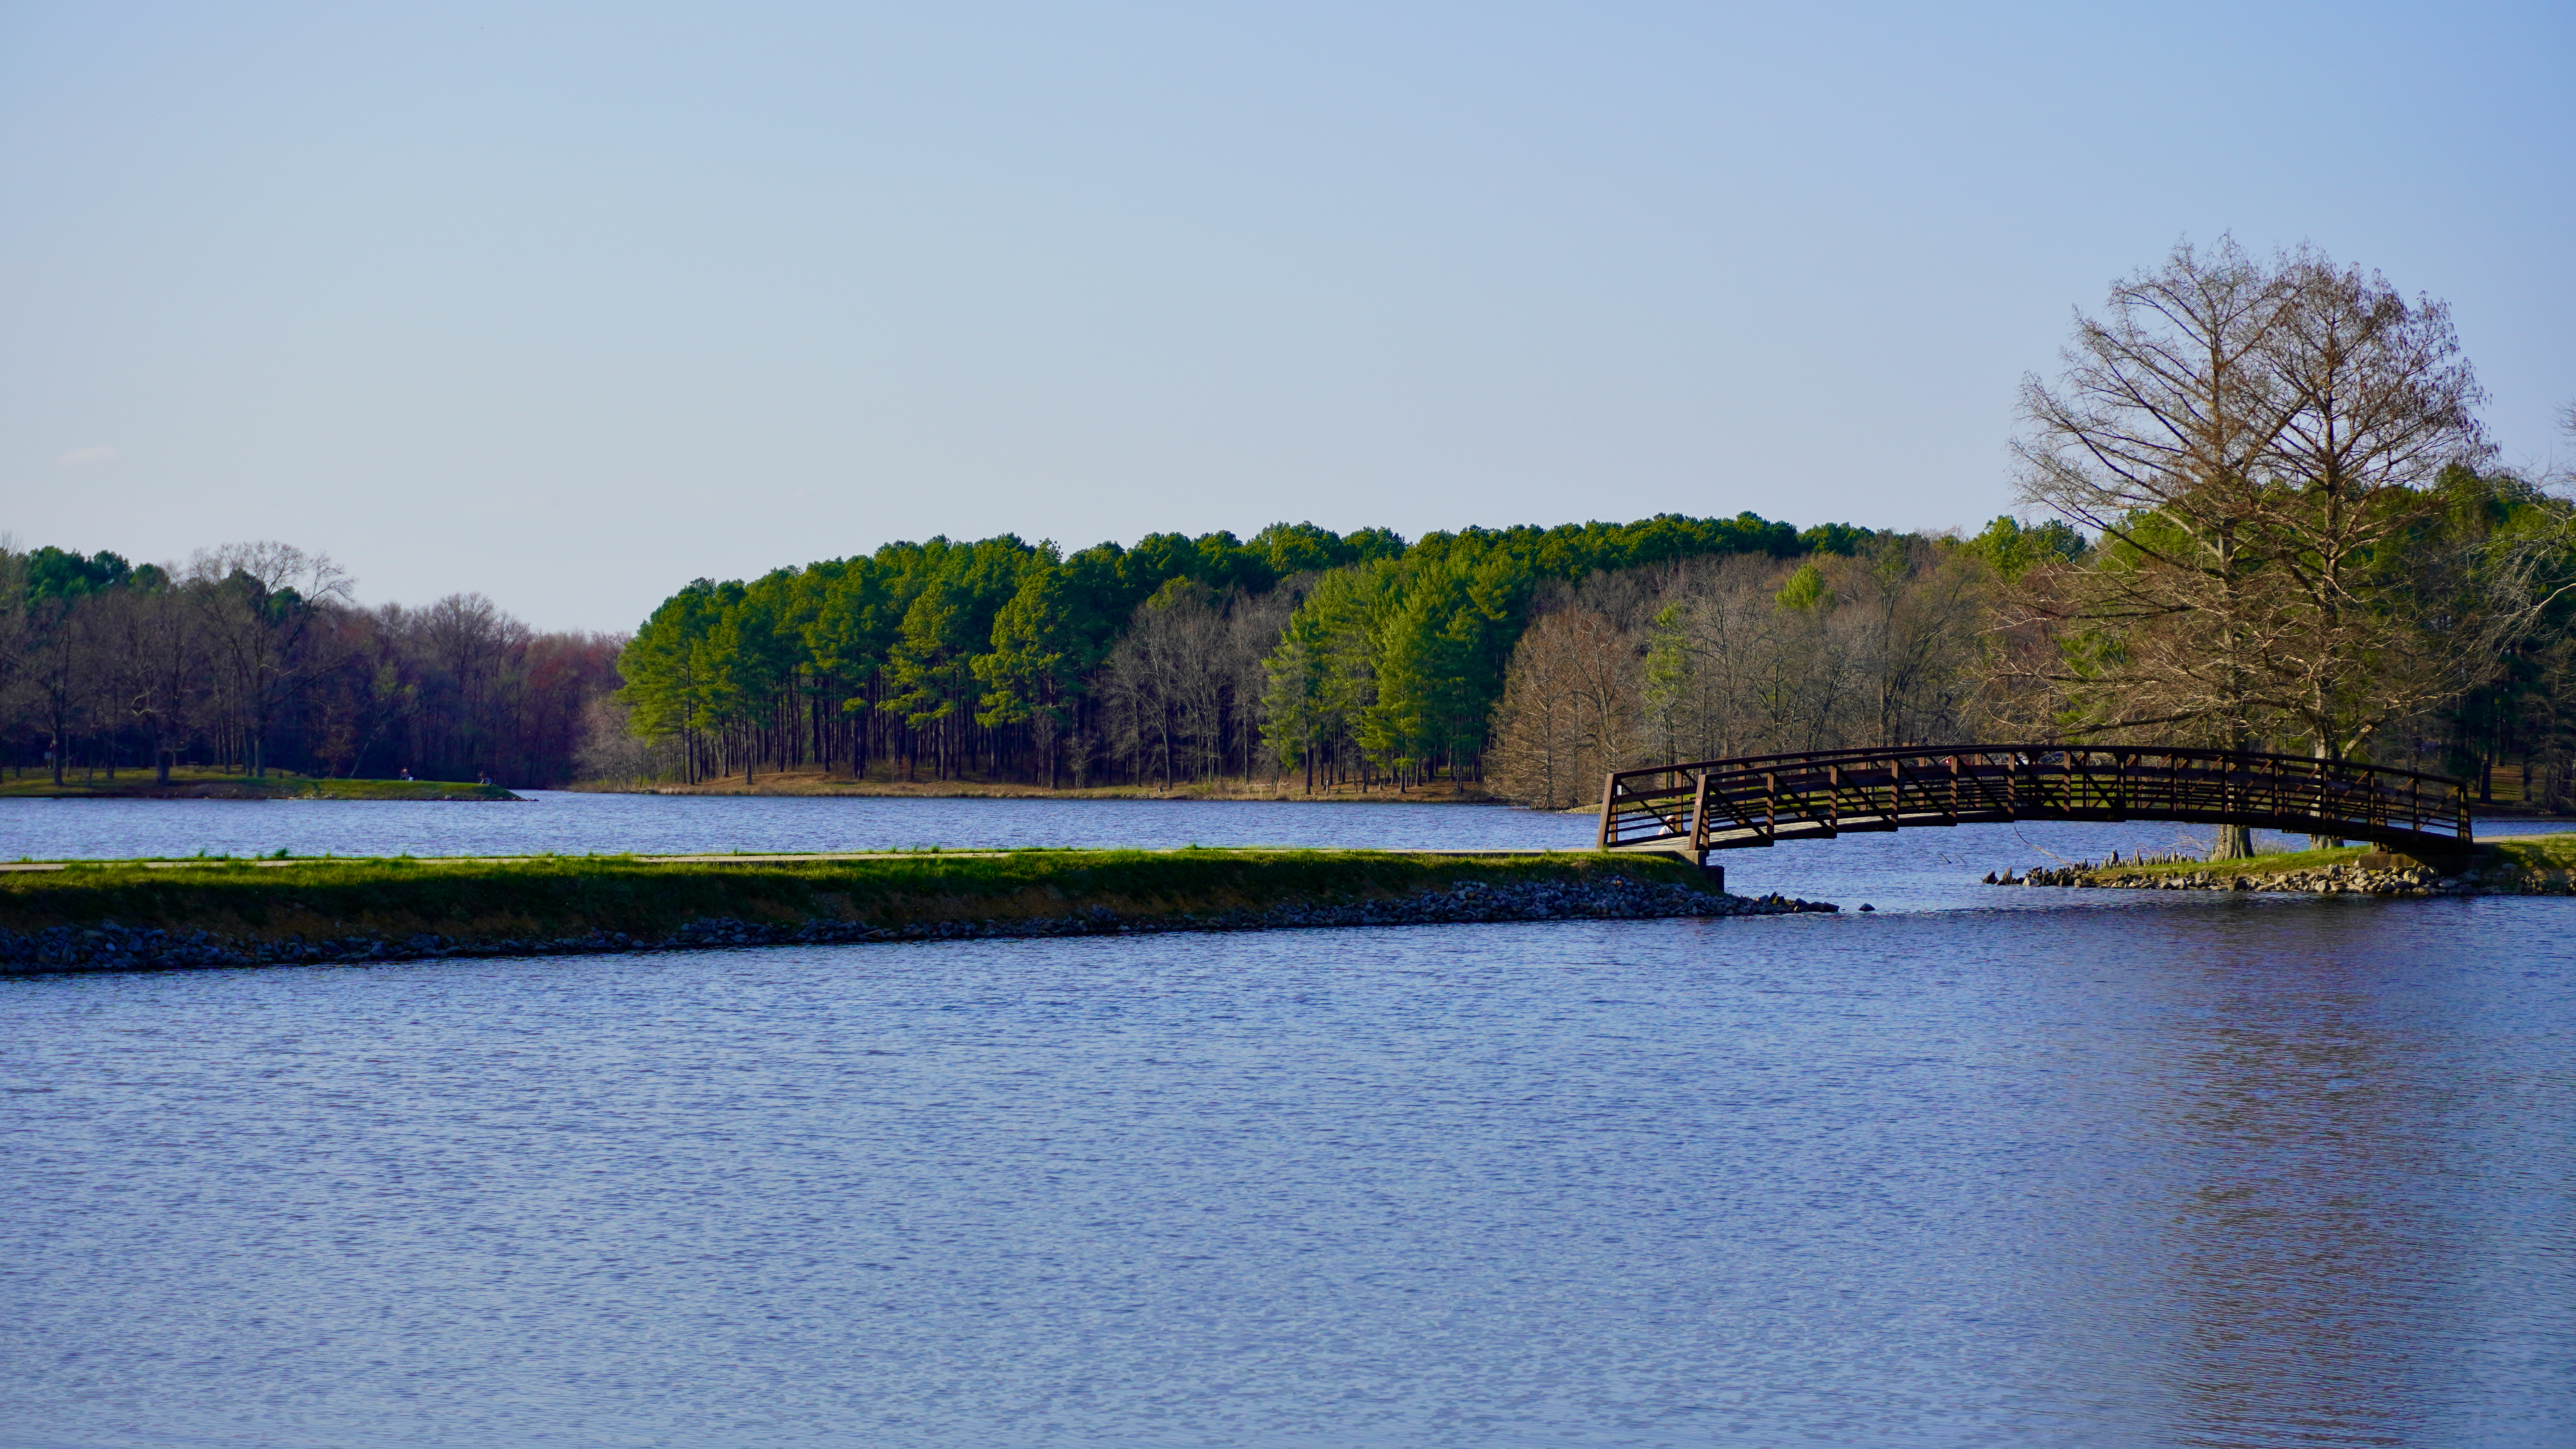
1520, 663
1356, 658
2263, 512
2258, 511
996, 657
253, 658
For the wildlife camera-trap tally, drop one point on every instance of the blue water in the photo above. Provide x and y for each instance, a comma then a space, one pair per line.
568, 823
571, 823
1913, 869
1987, 1166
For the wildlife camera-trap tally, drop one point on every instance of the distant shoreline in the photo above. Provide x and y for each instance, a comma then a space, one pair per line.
143, 785
816, 783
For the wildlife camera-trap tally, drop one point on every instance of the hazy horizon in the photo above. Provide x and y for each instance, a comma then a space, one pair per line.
568, 306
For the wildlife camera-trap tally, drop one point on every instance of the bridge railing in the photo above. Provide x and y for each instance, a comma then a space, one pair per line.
1759, 800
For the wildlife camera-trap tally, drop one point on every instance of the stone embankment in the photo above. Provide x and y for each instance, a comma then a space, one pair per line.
110, 947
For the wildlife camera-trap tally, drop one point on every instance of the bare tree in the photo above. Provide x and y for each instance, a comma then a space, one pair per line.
610, 751
1752, 656
1154, 683
1712, 647
60, 670
1817, 682
1253, 626
2155, 438
16, 628
2256, 444
260, 602
153, 662
1917, 608
469, 644
1566, 714
2381, 404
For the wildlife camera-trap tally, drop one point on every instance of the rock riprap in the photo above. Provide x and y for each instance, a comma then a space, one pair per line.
111, 947
2490, 879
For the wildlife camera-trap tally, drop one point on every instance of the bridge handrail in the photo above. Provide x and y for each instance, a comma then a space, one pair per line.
1644, 806
1754, 763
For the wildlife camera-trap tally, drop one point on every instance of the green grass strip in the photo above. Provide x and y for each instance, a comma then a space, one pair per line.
575, 895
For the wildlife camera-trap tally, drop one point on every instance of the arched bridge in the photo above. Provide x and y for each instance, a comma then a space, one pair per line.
1762, 800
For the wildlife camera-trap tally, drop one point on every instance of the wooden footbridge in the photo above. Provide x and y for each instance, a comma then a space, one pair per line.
1763, 800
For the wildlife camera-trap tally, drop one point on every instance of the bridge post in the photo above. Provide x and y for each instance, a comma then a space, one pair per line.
1716, 873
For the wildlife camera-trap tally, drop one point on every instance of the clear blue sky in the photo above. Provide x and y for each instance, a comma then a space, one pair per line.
570, 304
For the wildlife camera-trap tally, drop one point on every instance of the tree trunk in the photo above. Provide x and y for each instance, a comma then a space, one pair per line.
2235, 842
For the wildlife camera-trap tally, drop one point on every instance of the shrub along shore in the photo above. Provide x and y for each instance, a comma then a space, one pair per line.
126, 915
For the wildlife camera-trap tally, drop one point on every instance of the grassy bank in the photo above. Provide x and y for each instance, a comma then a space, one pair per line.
210, 785
362, 909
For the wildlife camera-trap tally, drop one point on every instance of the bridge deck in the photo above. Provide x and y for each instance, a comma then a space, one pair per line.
1765, 799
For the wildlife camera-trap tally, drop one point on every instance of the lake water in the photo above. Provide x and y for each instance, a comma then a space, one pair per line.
1985, 1166
1913, 869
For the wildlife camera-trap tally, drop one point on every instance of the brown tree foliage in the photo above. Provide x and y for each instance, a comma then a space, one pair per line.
1567, 713
2256, 443
253, 657
1743, 656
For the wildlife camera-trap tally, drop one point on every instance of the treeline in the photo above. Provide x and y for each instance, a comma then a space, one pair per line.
1532, 661
254, 657
1339, 657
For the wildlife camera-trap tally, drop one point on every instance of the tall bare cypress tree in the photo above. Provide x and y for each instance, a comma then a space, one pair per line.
2154, 437
2380, 403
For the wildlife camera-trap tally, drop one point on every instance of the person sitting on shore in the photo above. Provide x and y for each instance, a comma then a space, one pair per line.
406, 772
